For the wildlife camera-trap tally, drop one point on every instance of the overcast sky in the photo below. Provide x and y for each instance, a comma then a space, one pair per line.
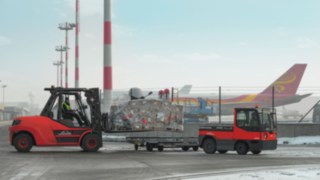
160, 43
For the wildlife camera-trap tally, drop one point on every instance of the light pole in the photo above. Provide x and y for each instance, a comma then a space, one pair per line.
66, 27
3, 86
61, 49
77, 46
57, 63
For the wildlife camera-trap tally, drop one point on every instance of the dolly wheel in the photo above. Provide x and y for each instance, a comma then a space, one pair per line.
195, 148
136, 147
185, 148
23, 142
91, 143
222, 151
160, 148
256, 152
149, 147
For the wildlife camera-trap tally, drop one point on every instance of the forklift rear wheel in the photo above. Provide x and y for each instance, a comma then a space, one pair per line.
23, 142
209, 146
195, 148
242, 148
185, 148
90, 143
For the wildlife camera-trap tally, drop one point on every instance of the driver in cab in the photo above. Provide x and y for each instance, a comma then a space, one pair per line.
68, 113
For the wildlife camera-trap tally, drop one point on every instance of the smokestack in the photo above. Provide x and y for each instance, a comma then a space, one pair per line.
107, 70
77, 47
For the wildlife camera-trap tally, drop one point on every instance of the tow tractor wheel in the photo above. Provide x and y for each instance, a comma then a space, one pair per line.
209, 146
23, 142
256, 152
185, 148
242, 148
195, 148
90, 143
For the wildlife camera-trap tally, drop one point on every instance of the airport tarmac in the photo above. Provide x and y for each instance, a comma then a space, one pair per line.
120, 161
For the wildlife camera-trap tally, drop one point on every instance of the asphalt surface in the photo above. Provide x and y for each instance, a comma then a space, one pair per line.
120, 161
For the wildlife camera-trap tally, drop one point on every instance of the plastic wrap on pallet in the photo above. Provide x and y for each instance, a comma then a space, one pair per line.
146, 115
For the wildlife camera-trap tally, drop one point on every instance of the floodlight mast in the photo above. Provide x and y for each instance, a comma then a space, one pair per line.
57, 63
66, 27
61, 49
77, 46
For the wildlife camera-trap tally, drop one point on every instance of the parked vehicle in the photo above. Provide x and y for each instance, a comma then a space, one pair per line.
253, 130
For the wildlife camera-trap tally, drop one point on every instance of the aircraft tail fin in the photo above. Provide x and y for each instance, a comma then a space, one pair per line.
185, 90
288, 83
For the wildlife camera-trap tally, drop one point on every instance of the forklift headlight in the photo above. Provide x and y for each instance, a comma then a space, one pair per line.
16, 122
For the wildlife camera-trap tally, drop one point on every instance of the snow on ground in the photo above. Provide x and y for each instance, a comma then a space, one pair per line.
293, 173
299, 140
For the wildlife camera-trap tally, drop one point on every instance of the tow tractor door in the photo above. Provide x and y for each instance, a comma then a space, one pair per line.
246, 124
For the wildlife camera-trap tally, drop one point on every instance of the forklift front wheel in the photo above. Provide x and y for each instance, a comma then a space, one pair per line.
90, 143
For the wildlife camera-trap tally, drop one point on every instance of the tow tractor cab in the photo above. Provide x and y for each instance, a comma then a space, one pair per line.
253, 130
56, 126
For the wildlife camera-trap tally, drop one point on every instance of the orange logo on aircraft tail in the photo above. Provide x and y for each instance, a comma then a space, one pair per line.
285, 79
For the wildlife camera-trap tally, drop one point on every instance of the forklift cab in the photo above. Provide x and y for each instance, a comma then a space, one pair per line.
77, 116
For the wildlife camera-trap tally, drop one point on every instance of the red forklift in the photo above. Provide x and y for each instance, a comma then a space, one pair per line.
81, 126
253, 129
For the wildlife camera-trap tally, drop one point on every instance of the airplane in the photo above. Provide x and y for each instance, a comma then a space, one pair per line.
285, 93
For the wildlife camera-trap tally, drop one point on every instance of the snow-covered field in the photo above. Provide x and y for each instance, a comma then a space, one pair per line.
279, 173
300, 140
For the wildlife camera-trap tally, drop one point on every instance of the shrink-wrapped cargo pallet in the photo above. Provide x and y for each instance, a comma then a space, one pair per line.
146, 115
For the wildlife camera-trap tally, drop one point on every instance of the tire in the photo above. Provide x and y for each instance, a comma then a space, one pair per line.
160, 148
209, 146
242, 148
222, 151
23, 142
185, 148
256, 152
195, 148
149, 147
91, 143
